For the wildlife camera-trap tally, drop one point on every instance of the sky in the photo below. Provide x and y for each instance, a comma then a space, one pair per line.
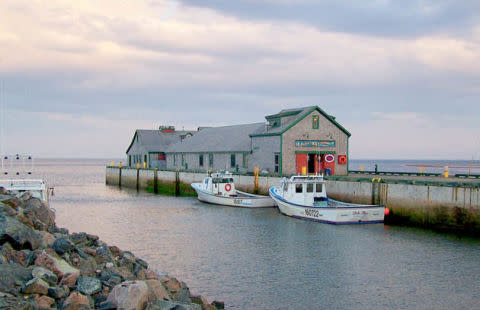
78, 77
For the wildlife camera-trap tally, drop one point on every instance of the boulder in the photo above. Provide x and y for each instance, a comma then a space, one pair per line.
218, 304
7, 210
58, 292
200, 300
12, 255
15, 303
182, 295
44, 302
76, 301
62, 246
36, 286
156, 290
103, 255
47, 239
18, 234
171, 305
70, 280
39, 213
13, 276
11, 201
129, 295
152, 275
89, 285
60, 267
115, 250
24, 196
84, 240
172, 284
44, 274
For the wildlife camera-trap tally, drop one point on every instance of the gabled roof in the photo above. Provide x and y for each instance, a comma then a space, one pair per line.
234, 138
290, 117
156, 140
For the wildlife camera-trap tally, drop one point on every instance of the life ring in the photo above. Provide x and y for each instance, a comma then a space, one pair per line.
228, 187
342, 159
329, 158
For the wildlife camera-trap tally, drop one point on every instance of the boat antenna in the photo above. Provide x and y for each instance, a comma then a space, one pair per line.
2, 123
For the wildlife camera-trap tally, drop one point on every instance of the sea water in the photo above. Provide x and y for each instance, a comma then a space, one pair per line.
260, 259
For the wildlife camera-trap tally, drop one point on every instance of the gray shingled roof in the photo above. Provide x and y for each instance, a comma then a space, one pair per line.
285, 123
218, 139
157, 141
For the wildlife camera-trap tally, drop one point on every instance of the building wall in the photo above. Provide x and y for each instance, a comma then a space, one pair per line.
138, 152
303, 131
264, 149
221, 161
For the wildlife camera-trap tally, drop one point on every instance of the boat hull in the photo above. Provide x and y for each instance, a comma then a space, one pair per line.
243, 200
338, 213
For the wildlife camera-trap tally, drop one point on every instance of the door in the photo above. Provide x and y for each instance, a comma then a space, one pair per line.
301, 162
311, 163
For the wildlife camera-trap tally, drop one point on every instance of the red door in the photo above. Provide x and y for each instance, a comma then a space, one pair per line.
329, 163
301, 162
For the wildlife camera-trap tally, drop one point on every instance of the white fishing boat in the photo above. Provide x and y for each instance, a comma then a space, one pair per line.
220, 189
37, 187
305, 197
16, 171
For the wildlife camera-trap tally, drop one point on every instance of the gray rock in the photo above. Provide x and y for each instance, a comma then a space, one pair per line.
13, 275
218, 304
39, 214
24, 196
171, 305
19, 235
63, 245
45, 274
182, 295
15, 303
11, 201
105, 305
89, 285
103, 255
58, 292
7, 210
84, 240
129, 295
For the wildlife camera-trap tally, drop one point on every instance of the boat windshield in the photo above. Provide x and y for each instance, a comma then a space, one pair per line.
222, 180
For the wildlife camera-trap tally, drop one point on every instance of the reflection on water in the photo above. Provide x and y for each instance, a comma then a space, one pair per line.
259, 259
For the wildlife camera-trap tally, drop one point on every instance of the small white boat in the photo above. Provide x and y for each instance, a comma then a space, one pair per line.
305, 197
37, 187
220, 189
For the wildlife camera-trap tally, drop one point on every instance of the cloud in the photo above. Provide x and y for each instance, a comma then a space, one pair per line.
91, 66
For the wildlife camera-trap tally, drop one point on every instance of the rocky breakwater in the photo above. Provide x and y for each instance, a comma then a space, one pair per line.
44, 267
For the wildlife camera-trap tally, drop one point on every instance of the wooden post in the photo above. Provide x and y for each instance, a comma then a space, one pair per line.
155, 181
138, 178
177, 183
120, 174
256, 172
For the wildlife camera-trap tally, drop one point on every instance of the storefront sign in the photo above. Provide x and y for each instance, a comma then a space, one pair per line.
315, 143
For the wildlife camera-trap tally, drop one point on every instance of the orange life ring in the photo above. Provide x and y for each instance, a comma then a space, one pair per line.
228, 187
342, 159
329, 158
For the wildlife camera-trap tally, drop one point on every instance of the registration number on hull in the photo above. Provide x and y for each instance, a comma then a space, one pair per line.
244, 202
312, 213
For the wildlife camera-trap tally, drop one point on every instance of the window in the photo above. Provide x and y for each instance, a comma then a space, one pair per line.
145, 158
200, 160
298, 188
315, 121
310, 188
174, 159
275, 122
129, 160
319, 188
232, 161
245, 160
210, 160
277, 162
183, 160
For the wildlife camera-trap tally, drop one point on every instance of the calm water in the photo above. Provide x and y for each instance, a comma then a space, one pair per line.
259, 259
